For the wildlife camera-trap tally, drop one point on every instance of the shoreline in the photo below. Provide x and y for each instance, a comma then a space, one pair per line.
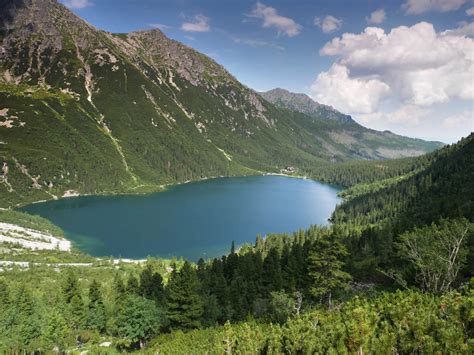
162, 188
71, 193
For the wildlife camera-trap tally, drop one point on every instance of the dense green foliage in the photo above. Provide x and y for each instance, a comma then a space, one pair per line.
402, 322
443, 188
372, 223
437, 252
367, 176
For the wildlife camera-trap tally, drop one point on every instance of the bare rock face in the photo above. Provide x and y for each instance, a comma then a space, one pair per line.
303, 103
162, 51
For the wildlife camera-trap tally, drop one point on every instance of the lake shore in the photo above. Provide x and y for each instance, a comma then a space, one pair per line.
150, 188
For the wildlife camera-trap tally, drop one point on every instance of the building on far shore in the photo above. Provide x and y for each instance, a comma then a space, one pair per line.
288, 170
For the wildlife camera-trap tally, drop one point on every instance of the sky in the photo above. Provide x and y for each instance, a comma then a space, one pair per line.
405, 66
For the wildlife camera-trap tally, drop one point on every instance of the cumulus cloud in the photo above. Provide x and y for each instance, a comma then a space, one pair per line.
356, 95
417, 65
271, 18
376, 17
256, 43
406, 115
328, 24
464, 119
416, 7
200, 23
470, 11
77, 4
464, 29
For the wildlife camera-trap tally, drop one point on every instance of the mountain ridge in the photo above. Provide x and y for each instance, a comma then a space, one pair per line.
304, 104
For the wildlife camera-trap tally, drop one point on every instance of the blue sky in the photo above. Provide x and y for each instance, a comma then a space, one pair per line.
413, 73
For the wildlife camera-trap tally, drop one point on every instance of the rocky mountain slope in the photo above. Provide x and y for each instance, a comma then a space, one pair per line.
354, 136
87, 111
304, 104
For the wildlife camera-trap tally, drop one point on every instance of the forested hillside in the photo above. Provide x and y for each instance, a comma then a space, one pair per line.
398, 280
443, 189
87, 111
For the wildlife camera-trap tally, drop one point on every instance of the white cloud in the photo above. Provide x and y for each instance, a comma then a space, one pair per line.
77, 4
416, 64
200, 24
416, 7
256, 43
410, 115
270, 17
376, 17
464, 29
328, 24
470, 11
159, 26
464, 119
355, 95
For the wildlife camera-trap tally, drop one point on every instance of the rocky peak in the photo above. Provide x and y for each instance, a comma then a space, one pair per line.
26, 18
163, 51
303, 103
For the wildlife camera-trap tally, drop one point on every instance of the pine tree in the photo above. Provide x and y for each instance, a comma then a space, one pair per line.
238, 297
4, 294
56, 333
132, 285
96, 317
76, 313
218, 287
259, 243
5, 308
289, 283
119, 288
183, 299
70, 287
272, 274
151, 285
325, 263
26, 320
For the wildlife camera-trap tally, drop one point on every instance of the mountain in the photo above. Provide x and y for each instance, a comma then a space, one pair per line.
304, 104
369, 142
88, 111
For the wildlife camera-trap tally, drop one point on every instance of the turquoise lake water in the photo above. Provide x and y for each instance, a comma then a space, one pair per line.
192, 220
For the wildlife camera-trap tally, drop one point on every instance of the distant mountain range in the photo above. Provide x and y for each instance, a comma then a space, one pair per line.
88, 111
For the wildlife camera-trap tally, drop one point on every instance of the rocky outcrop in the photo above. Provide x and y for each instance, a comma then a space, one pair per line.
303, 103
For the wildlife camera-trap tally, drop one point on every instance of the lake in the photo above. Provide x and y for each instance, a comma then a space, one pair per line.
193, 220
